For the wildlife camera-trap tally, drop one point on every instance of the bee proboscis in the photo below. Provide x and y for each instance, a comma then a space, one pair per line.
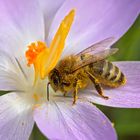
76, 72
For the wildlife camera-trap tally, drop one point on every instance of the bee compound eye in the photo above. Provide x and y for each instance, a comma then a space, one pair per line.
55, 77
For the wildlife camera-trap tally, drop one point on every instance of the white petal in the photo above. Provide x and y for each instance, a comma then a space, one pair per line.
14, 74
16, 121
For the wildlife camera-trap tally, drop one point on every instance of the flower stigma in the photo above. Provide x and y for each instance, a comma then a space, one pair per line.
45, 58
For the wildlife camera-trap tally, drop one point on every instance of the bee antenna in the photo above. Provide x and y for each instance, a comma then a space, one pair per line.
48, 91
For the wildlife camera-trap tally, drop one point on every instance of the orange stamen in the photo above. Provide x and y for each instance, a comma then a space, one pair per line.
34, 49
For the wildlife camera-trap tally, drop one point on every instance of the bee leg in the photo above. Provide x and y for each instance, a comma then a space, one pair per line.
97, 85
75, 97
77, 86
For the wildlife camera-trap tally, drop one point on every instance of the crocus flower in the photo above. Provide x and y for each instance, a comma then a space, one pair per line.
35, 23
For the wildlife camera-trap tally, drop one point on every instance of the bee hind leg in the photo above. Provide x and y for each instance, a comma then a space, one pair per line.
97, 85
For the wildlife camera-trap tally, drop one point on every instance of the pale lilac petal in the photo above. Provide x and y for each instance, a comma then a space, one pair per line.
21, 22
16, 121
64, 121
49, 8
127, 96
95, 20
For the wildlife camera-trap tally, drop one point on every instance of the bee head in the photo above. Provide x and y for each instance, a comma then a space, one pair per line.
55, 79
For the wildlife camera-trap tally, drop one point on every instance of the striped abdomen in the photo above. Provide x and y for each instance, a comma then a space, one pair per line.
107, 73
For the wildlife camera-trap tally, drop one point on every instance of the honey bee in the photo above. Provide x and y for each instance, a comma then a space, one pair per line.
76, 72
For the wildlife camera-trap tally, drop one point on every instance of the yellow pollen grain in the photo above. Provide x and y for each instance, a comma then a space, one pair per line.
36, 97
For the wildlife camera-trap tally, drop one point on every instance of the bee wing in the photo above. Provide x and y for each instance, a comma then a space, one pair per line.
100, 46
88, 59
